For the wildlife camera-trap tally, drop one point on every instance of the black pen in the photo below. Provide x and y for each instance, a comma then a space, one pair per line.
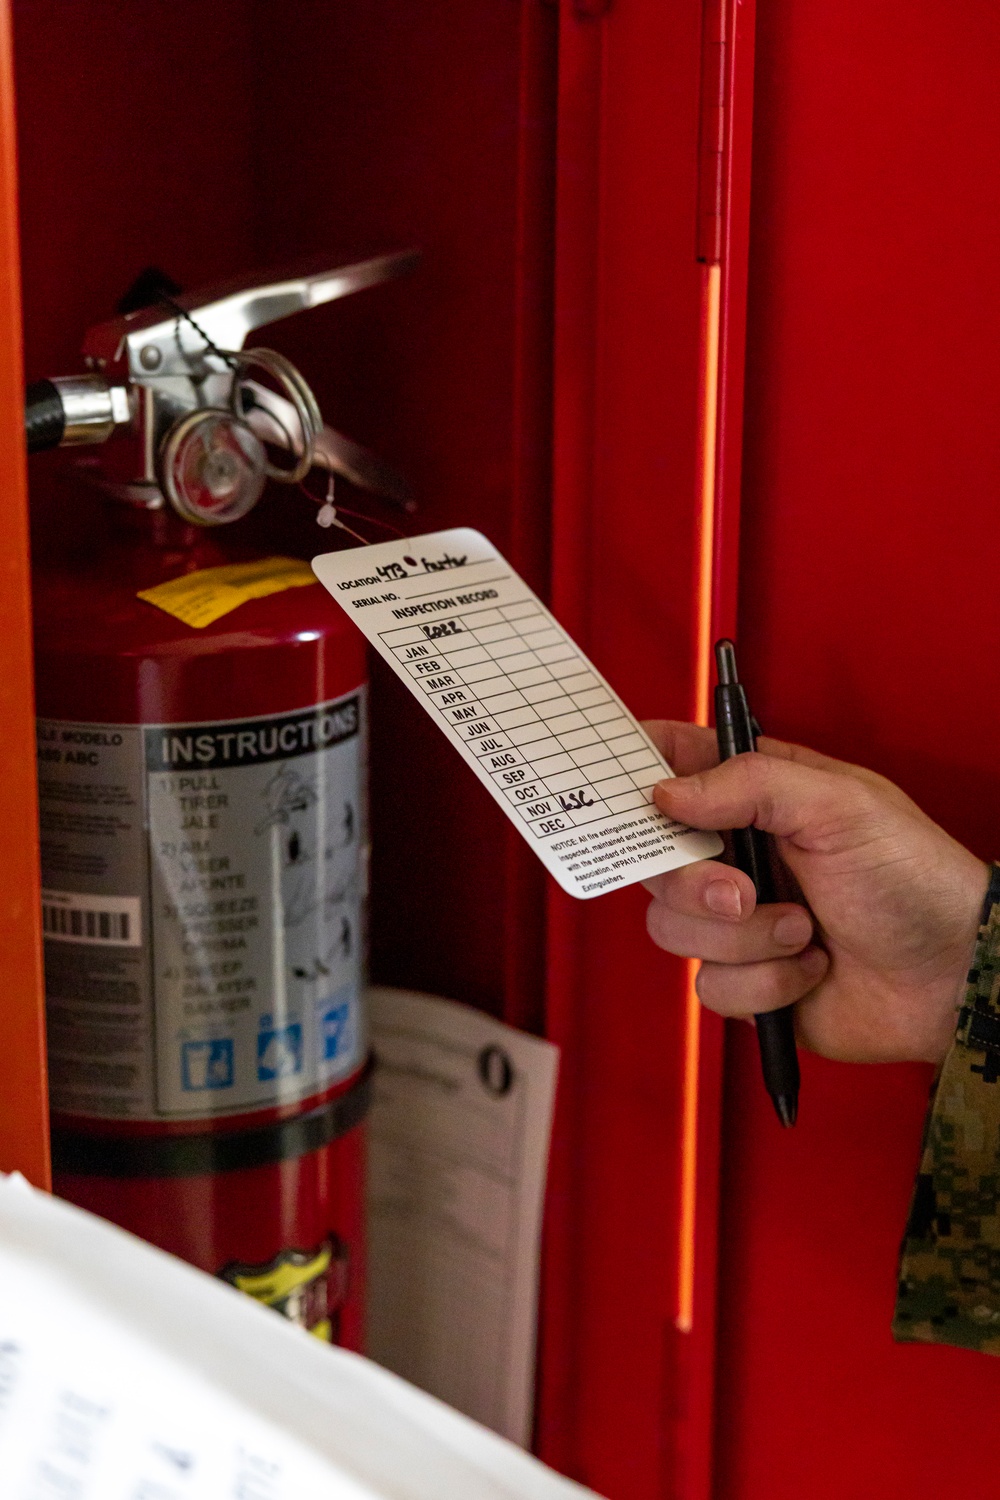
734, 729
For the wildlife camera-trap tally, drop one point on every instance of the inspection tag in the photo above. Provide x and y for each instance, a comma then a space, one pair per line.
520, 702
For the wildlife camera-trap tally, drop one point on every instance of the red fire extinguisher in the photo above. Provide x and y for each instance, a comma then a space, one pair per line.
203, 823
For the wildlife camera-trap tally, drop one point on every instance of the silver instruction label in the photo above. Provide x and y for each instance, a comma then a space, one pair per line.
203, 904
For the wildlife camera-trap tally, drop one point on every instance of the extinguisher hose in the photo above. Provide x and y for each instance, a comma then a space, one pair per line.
44, 417
73, 409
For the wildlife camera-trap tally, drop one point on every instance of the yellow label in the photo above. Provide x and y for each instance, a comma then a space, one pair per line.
281, 1279
199, 598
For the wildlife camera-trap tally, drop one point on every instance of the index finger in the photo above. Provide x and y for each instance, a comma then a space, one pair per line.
688, 748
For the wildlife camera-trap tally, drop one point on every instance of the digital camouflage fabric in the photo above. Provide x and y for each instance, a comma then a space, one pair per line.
949, 1275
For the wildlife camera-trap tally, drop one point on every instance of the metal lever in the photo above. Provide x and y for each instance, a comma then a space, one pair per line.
152, 345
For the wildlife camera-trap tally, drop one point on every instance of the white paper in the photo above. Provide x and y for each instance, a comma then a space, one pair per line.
458, 1148
127, 1375
517, 698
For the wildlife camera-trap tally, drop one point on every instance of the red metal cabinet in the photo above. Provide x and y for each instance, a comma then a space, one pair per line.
563, 373
546, 162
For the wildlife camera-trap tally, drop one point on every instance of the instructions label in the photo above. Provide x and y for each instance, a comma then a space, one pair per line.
202, 911
520, 702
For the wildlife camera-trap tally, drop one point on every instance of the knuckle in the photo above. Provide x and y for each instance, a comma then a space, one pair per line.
658, 925
723, 988
703, 985
758, 782
674, 888
749, 988
777, 984
787, 980
679, 934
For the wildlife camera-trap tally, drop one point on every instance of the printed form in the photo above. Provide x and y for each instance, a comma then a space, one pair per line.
127, 1375
458, 1143
518, 699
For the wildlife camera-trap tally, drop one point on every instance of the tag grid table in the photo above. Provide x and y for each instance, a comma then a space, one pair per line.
543, 726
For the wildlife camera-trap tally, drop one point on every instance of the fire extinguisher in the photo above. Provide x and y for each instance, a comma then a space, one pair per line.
201, 743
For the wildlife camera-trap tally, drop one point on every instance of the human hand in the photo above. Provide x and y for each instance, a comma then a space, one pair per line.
878, 964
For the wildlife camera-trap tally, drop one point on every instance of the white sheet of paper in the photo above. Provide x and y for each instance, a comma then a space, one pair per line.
127, 1375
518, 699
458, 1148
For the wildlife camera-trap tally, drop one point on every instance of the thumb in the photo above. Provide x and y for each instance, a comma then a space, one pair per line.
776, 795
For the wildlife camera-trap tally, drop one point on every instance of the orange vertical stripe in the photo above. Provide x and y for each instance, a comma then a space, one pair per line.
709, 405
711, 292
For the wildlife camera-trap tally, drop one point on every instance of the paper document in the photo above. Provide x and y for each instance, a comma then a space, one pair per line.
127, 1375
520, 702
458, 1148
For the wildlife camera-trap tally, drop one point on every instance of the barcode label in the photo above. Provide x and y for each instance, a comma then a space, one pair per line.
114, 921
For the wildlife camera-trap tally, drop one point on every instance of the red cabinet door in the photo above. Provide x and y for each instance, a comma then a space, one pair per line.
648, 399
869, 536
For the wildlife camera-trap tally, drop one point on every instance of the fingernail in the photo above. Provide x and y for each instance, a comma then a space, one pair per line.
793, 929
723, 897
814, 961
678, 784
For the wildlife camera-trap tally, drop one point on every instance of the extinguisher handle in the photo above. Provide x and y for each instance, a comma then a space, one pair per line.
160, 342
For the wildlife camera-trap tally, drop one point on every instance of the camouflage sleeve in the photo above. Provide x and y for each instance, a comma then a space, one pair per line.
949, 1275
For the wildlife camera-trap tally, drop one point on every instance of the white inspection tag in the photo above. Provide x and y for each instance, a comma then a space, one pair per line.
520, 702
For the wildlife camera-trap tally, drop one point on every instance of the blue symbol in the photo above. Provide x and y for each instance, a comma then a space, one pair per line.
279, 1050
207, 1065
336, 1035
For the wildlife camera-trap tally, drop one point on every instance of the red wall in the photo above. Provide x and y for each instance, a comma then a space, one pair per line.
869, 570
